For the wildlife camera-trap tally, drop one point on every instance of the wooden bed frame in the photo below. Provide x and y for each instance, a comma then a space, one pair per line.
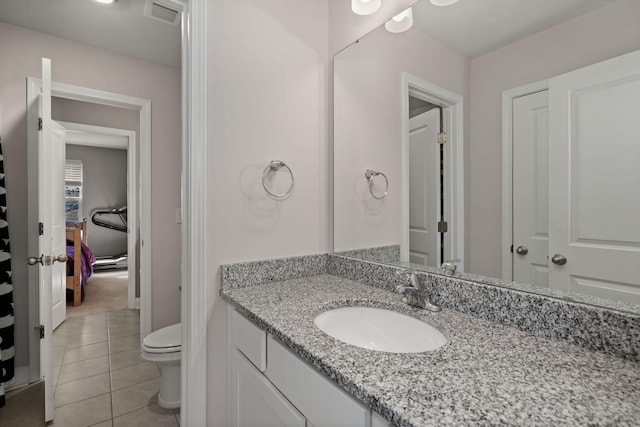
76, 232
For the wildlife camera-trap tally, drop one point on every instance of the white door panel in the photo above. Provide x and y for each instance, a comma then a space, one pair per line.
55, 168
424, 176
530, 188
45, 240
594, 153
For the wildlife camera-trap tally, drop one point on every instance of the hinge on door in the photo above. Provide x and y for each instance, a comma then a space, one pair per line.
40, 229
442, 137
442, 226
41, 327
39, 123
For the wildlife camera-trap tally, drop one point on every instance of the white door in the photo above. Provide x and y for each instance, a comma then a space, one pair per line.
54, 170
594, 179
530, 188
424, 180
45, 240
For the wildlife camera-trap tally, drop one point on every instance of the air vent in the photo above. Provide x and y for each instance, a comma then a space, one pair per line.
165, 11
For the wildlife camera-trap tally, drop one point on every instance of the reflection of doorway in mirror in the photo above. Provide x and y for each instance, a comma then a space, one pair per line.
432, 225
424, 179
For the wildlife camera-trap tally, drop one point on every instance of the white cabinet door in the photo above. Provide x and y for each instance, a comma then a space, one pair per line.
594, 179
255, 402
530, 188
322, 402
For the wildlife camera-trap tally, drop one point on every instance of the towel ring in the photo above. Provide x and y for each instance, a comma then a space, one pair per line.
370, 174
274, 166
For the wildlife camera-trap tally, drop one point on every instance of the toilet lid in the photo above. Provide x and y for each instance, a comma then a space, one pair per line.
166, 338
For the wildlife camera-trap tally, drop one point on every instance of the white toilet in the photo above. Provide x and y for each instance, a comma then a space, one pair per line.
164, 348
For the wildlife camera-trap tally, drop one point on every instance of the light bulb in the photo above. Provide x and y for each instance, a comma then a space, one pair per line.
365, 7
401, 22
443, 2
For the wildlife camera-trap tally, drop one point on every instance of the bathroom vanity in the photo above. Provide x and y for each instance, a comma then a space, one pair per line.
283, 366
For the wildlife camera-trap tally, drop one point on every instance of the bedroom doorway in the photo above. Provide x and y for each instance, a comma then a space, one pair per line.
107, 158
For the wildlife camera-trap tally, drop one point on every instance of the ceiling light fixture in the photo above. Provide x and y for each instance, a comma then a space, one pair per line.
443, 2
365, 7
401, 22
106, 1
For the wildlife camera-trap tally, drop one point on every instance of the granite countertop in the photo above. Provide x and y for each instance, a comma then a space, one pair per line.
487, 373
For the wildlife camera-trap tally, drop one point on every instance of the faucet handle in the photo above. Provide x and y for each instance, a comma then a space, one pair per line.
450, 266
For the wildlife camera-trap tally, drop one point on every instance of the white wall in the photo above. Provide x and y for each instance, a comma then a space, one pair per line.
267, 77
368, 126
82, 65
608, 32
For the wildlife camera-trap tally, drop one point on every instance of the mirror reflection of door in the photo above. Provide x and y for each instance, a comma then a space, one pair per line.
424, 179
576, 150
594, 177
530, 189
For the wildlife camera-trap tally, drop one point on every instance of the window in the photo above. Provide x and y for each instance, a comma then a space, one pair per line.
73, 190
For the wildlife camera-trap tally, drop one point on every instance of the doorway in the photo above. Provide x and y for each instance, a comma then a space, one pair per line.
141, 209
110, 163
445, 176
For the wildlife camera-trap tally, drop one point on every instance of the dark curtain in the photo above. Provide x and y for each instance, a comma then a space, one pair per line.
7, 349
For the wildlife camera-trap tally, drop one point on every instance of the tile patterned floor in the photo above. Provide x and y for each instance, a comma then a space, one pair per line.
99, 377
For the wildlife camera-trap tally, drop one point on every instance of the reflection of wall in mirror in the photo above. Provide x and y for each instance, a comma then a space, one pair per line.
368, 127
605, 33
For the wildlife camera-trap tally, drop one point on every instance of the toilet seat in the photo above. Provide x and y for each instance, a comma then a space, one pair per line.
165, 340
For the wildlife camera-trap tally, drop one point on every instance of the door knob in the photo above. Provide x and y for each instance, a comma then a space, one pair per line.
522, 250
33, 260
60, 258
559, 259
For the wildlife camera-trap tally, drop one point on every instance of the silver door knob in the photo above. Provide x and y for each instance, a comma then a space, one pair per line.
559, 259
33, 260
522, 250
60, 258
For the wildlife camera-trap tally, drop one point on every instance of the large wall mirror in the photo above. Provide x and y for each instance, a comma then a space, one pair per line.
481, 139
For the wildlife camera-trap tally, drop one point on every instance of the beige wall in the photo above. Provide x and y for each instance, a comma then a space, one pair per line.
608, 32
268, 95
368, 125
82, 65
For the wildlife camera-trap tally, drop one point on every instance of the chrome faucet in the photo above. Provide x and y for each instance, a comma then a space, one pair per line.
449, 267
414, 293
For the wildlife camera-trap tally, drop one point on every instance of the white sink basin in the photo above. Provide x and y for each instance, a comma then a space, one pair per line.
379, 329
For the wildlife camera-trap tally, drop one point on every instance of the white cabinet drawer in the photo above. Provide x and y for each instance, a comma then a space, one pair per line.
321, 401
249, 339
255, 402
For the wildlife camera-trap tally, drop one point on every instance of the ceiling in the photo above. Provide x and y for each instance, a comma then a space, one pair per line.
476, 27
471, 27
121, 27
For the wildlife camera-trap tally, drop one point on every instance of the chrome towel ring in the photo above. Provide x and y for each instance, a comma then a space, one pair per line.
275, 166
370, 175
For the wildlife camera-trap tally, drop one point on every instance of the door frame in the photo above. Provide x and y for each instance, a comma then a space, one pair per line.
106, 137
451, 103
195, 299
507, 170
78, 93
